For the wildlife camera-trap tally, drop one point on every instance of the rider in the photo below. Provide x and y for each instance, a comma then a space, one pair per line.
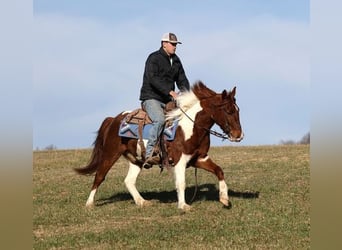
163, 69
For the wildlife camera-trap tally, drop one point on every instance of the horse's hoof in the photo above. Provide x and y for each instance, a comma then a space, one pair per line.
144, 203
224, 201
147, 203
229, 206
185, 208
89, 205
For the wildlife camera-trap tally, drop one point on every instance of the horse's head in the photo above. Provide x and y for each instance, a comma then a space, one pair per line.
225, 112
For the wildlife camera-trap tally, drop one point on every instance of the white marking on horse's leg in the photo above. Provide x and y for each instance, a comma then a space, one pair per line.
139, 148
223, 189
90, 201
179, 172
130, 181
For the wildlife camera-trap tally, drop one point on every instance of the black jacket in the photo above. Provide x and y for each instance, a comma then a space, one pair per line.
160, 77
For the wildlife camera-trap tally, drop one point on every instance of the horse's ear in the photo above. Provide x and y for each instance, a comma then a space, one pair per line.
224, 94
233, 91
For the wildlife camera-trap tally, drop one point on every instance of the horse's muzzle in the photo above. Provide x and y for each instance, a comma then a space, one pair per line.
233, 138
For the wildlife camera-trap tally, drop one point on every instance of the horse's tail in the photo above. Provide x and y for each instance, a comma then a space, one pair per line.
97, 153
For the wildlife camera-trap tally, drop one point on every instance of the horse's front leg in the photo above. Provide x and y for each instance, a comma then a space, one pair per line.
179, 172
130, 181
207, 164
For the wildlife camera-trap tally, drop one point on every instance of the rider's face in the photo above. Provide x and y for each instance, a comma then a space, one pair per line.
170, 48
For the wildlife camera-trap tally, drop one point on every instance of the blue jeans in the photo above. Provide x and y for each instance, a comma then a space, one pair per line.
155, 110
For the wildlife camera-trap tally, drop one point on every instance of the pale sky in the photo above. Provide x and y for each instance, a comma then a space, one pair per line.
88, 62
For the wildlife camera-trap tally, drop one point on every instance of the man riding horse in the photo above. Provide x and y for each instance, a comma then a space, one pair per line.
162, 69
199, 108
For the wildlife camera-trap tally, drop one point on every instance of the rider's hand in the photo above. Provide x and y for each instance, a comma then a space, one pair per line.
173, 94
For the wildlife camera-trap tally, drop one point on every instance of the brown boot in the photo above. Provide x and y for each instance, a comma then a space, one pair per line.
150, 161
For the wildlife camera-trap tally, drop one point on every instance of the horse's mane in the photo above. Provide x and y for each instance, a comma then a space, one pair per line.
188, 99
202, 91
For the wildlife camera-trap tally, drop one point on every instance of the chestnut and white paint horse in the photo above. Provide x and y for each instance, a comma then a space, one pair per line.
197, 111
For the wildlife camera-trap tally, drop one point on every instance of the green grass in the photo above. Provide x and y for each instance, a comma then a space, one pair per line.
277, 219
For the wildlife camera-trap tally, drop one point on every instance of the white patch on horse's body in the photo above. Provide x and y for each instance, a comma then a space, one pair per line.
187, 124
189, 103
179, 173
130, 181
90, 201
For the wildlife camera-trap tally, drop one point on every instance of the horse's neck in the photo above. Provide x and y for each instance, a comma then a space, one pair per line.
204, 118
195, 117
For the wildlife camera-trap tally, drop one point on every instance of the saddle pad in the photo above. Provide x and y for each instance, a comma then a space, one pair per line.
132, 130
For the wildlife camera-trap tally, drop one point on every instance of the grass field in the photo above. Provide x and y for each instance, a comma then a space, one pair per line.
269, 187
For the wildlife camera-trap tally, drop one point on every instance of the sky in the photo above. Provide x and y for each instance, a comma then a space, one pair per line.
88, 63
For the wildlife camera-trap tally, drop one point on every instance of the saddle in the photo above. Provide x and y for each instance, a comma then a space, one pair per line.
138, 116
141, 118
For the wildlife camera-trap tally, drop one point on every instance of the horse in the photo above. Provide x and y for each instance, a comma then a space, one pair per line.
197, 110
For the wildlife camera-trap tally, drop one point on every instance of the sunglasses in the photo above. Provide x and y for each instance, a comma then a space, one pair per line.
173, 44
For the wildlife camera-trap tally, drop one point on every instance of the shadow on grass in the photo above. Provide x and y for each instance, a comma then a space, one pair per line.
207, 192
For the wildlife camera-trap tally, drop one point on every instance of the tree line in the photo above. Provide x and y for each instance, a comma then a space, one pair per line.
304, 140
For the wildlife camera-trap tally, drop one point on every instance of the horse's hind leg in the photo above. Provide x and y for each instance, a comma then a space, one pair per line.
130, 181
207, 164
100, 177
